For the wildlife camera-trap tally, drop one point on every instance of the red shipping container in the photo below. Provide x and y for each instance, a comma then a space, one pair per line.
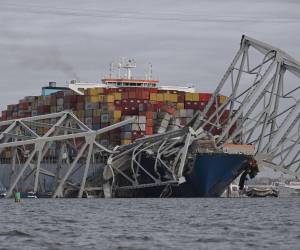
188, 105
80, 98
125, 95
118, 103
153, 90
224, 116
150, 107
24, 106
43, 109
80, 106
180, 97
204, 96
145, 94
131, 94
160, 105
96, 120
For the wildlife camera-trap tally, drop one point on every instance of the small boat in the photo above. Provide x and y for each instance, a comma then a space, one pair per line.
289, 190
232, 191
29, 195
262, 191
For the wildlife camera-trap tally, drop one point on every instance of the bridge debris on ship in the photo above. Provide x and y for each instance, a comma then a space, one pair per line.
262, 128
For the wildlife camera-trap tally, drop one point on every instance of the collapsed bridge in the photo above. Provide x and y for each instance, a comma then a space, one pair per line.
262, 109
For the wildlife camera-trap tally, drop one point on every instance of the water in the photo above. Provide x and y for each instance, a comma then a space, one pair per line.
271, 223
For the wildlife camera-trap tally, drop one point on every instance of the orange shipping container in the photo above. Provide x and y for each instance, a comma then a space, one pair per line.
149, 130
149, 115
149, 123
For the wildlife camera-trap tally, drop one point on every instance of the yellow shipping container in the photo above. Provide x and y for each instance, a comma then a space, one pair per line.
117, 119
166, 97
80, 113
97, 112
110, 98
118, 96
125, 142
173, 97
34, 105
222, 99
111, 107
117, 114
170, 97
160, 97
189, 96
92, 98
195, 97
153, 97
95, 91
101, 98
180, 105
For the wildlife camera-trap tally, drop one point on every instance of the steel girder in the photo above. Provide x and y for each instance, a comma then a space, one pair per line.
30, 148
263, 105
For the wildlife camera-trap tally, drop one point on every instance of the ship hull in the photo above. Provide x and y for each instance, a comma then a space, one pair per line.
210, 175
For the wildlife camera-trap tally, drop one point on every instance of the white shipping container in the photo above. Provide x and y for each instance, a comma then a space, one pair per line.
164, 123
60, 102
189, 113
142, 119
182, 113
59, 108
142, 127
135, 126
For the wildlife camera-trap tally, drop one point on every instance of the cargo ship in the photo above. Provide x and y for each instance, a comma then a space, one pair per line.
157, 110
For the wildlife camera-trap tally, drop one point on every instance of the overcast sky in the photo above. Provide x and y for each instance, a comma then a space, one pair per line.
188, 42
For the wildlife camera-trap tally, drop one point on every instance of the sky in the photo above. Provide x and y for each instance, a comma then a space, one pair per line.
189, 43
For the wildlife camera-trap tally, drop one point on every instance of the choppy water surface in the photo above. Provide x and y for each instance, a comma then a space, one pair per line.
150, 224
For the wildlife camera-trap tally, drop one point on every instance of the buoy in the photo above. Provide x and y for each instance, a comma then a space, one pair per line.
17, 197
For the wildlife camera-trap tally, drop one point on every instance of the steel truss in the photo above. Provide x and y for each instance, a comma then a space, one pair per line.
263, 105
169, 155
65, 132
261, 108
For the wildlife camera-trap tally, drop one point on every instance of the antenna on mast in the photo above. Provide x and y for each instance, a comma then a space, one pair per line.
111, 69
150, 71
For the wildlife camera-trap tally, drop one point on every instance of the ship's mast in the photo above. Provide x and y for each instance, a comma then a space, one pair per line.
130, 64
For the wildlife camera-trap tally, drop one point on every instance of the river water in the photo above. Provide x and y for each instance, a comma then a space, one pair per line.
271, 223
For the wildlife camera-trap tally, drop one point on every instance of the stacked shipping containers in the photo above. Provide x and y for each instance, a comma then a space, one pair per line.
155, 110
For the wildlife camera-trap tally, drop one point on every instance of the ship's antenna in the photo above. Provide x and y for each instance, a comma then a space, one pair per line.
150, 71
119, 69
111, 69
